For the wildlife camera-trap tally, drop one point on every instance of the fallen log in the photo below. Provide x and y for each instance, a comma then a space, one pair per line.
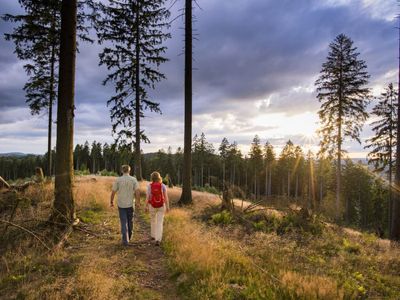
4, 184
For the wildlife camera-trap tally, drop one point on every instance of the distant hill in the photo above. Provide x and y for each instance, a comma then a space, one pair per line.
14, 154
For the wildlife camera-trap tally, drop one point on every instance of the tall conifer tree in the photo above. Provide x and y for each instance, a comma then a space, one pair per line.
384, 141
37, 41
186, 197
343, 94
134, 31
64, 207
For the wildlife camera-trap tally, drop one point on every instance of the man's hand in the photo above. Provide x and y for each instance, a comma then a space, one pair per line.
112, 199
146, 209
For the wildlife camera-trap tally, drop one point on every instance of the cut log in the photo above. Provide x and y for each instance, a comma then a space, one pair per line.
4, 184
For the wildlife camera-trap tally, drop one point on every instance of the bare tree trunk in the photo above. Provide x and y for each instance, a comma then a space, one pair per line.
270, 182
339, 158
63, 208
202, 175
186, 197
395, 230
51, 99
138, 159
288, 184
297, 186
266, 181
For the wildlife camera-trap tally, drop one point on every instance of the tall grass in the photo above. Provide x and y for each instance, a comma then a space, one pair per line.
207, 266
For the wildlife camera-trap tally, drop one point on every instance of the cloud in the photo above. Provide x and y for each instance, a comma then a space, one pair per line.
254, 60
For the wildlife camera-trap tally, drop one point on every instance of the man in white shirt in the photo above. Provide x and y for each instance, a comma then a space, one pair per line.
127, 189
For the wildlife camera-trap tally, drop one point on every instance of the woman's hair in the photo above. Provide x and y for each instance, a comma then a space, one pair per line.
156, 177
125, 169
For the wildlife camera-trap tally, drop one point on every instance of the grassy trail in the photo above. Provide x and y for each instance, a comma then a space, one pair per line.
135, 272
93, 264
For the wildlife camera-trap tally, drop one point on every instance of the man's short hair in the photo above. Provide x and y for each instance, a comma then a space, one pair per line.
125, 169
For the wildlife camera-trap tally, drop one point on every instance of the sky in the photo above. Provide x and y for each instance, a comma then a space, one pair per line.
255, 64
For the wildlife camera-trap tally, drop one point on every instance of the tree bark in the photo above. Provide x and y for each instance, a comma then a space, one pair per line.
138, 158
395, 230
64, 208
186, 197
51, 97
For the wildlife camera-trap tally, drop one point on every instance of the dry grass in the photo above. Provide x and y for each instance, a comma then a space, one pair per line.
339, 264
88, 268
208, 262
311, 286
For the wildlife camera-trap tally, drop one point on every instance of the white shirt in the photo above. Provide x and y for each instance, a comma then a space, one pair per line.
125, 186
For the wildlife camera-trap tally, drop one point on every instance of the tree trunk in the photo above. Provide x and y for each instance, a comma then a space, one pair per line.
223, 173
51, 99
288, 184
270, 182
202, 175
234, 174
339, 158
138, 160
266, 181
395, 230
297, 186
186, 197
64, 209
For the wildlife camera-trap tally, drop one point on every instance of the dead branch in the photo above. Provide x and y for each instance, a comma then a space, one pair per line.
66, 235
3, 183
12, 215
26, 230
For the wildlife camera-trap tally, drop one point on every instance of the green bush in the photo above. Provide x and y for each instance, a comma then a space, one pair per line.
350, 247
108, 173
222, 218
82, 172
207, 189
293, 222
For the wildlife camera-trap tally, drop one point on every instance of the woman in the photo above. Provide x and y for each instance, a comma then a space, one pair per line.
157, 202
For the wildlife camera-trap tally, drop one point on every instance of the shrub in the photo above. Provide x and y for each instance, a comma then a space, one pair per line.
350, 247
108, 173
207, 189
300, 222
82, 172
222, 218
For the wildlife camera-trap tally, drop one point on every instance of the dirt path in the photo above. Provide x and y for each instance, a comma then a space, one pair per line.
157, 278
104, 269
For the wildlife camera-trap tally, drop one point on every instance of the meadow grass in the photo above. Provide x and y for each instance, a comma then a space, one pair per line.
217, 259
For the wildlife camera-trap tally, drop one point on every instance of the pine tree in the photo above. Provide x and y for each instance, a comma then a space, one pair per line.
344, 97
384, 141
234, 159
269, 158
64, 207
135, 31
186, 197
37, 40
286, 163
223, 153
256, 160
395, 222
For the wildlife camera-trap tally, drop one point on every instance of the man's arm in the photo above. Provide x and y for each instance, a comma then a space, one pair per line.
112, 199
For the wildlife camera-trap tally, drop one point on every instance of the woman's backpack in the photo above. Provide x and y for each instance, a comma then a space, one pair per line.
157, 197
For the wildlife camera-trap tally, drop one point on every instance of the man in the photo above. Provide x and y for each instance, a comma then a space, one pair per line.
127, 188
